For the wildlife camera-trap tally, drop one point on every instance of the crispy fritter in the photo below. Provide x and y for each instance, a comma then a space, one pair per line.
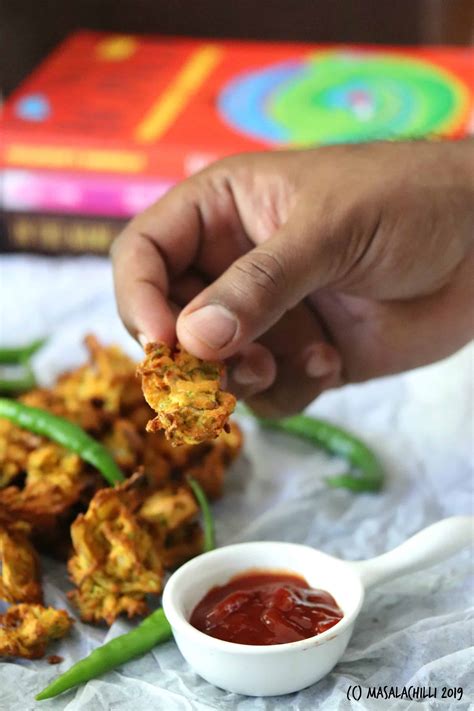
49, 515
106, 383
26, 630
53, 466
49, 511
40, 507
115, 562
45, 399
229, 442
182, 544
210, 467
170, 514
56, 487
93, 394
154, 462
178, 458
15, 446
185, 393
125, 444
20, 572
168, 509
133, 450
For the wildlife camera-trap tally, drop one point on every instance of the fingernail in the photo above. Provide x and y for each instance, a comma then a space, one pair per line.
320, 361
142, 339
243, 374
214, 325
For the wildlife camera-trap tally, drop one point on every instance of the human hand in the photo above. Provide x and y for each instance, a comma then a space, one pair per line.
308, 269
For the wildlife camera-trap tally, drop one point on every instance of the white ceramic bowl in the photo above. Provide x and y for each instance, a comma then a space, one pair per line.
269, 670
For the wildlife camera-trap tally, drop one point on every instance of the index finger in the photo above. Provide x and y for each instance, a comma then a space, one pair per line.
154, 246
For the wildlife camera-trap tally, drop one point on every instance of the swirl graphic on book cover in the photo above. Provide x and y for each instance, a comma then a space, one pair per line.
344, 96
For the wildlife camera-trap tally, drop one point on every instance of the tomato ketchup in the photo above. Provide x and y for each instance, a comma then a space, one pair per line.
265, 607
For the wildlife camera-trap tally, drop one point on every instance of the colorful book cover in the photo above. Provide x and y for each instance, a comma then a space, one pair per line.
164, 107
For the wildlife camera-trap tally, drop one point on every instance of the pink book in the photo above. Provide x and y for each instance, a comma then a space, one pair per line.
78, 194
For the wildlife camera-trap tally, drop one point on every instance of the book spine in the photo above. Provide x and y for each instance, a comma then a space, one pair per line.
78, 194
88, 156
57, 234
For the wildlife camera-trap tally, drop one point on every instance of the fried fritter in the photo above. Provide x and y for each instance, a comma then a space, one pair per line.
20, 572
45, 399
15, 446
133, 450
85, 414
49, 515
93, 394
56, 487
53, 466
185, 393
48, 483
168, 509
210, 467
26, 630
154, 462
116, 561
178, 458
107, 382
207, 462
182, 544
125, 444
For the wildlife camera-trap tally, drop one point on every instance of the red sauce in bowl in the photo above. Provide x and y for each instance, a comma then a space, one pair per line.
265, 607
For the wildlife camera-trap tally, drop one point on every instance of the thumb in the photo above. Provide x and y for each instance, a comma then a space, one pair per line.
255, 292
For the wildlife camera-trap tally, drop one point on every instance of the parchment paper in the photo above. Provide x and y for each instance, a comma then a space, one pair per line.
416, 631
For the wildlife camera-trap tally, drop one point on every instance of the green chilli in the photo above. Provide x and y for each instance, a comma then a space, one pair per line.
15, 386
65, 433
20, 354
207, 518
366, 473
154, 630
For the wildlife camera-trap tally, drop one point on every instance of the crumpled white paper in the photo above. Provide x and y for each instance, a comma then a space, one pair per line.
416, 631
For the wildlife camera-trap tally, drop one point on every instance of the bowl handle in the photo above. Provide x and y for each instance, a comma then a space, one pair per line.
428, 547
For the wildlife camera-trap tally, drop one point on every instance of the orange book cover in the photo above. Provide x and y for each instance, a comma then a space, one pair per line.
160, 106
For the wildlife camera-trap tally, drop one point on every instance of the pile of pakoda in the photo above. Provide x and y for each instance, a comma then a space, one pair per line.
118, 541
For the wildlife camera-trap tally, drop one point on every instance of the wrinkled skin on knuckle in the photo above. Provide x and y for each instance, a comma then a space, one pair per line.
260, 276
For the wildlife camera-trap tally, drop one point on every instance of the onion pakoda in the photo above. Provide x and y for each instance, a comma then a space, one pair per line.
20, 573
116, 562
26, 630
185, 393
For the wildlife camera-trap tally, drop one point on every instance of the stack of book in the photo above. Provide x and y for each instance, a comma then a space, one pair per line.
107, 124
